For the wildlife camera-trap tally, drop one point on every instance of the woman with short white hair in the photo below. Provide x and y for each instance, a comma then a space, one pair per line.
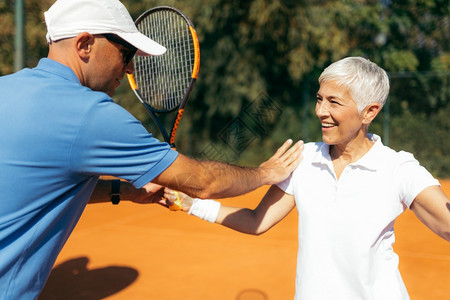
348, 190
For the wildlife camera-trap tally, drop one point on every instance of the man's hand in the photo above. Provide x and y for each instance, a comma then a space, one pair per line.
150, 193
283, 162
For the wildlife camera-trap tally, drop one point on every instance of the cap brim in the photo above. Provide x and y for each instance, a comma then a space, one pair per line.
145, 45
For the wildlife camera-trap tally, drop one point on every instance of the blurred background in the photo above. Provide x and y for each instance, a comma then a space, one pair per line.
260, 61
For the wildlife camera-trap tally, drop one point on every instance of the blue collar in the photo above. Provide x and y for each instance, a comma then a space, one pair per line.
54, 67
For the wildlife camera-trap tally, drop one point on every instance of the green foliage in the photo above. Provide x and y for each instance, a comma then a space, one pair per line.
278, 48
427, 137
6, 38
35, 43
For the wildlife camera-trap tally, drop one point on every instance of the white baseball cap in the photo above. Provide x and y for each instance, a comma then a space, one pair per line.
68, 18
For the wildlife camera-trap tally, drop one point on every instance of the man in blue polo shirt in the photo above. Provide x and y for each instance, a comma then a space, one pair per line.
60, 131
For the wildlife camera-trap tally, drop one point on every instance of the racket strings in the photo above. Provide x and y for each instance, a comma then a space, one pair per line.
164, 80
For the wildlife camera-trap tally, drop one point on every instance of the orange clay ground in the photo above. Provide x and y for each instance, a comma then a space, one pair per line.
135, 251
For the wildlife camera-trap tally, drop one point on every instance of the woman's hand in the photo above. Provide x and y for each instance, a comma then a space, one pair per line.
170, 197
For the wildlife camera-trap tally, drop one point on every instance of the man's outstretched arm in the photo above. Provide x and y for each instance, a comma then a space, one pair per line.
210, 179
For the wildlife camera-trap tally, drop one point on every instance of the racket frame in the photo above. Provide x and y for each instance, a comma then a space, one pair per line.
169, 137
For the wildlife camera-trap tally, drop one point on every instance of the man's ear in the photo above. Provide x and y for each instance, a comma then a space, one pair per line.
370, 112
84, 43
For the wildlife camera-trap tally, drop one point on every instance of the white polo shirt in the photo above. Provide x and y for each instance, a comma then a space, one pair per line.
345, 228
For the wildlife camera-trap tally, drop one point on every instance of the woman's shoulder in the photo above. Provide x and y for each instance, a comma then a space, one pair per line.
315, 148
396, 155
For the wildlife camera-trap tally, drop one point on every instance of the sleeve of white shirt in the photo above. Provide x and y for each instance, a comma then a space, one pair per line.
286, 185
412, 178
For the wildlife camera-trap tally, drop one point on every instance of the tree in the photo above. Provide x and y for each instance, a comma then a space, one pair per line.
273, 51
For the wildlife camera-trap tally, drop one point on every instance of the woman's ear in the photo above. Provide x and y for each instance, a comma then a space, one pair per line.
370, 112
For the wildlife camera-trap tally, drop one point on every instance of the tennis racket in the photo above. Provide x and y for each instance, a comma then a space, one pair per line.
164, 83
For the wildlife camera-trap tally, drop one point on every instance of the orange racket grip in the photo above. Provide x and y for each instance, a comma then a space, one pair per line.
177, 205
132, 82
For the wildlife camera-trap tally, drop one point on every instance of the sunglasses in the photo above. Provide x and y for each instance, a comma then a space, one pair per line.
128, 55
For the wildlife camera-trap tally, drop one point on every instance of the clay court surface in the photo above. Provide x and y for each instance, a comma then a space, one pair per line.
135, 251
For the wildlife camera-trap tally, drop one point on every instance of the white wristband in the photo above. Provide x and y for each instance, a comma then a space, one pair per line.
207, 210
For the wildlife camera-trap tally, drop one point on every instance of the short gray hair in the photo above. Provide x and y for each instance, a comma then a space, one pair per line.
365, 80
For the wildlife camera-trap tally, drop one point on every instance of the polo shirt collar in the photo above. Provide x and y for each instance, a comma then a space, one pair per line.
54, 67
369, 161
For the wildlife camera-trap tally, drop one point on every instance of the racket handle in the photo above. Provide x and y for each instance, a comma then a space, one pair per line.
177, 205
175, 128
